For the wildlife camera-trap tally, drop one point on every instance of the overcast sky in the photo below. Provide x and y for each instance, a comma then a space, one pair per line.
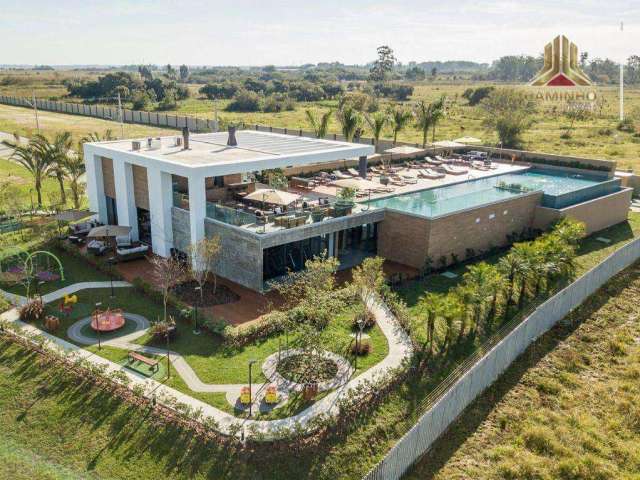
283, 32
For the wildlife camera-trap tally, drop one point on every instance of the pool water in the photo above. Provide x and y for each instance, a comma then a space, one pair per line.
559, 189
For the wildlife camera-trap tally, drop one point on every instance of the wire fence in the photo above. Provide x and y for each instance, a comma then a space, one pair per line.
444, 404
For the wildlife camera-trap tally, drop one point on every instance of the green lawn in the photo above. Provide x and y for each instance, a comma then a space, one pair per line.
75, 270
211, 359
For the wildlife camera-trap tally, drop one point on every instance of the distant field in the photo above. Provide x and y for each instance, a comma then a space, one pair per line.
567, 409
22, 120
596, 138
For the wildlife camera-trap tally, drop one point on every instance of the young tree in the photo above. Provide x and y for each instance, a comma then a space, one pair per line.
74, 168
368, 279
575, 112
31, 159
376, 123
167, 272
433, 306
438, 112
350, 121
509, 112
320, 125
383, 66
204, 254
423, 113
400, 118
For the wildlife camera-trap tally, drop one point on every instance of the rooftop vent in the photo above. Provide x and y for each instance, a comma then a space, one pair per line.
185, 138
231, 141
155, 143
178, 141
136, 145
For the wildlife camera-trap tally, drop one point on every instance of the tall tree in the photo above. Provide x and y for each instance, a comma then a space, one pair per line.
400, 118
423, 112
74, 168
376, 123
167, 272
320, 125
56, 152
31, 159
438, 113
204, 254
509, 112
350, 120
184, 73
383, 65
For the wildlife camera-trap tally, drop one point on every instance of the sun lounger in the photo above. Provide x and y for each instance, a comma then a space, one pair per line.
353, 172
431, 161
339, 175
454, 170
430, 174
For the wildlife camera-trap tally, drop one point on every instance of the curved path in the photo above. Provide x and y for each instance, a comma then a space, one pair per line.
399, 350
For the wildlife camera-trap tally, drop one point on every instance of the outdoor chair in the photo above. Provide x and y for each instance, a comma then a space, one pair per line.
353, 172
131, 253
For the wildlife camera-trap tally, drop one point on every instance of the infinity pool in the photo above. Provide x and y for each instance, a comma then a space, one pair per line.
560, 189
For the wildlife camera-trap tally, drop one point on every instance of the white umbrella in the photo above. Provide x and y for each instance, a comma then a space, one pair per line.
404, 150
355, 183
447, 144
468, 140
273, 197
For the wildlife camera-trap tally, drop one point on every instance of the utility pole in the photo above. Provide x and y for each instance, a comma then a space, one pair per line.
35, 109
121, 116
621, 78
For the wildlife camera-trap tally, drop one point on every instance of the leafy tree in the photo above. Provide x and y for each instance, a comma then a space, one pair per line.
245, 101
415, 73
349, 120
184, 73
32, 160
219, 90
167, 272
515, 68
509, 112
383, 66
376, 123
204, 254
475, 96
400, 118
368, 279
320, 125
140, 100
145, 72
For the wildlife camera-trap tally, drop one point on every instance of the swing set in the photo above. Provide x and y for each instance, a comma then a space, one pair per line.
21, 266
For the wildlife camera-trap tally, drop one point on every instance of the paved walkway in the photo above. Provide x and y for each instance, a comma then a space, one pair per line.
68, 290
399, 350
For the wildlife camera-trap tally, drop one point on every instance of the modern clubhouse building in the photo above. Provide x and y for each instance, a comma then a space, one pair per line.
173, 191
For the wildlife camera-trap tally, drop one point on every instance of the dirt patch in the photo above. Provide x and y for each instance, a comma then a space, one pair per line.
187, 293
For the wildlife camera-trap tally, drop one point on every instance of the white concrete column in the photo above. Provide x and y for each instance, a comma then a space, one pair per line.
197, 207
160, 205
125, 197
95, 185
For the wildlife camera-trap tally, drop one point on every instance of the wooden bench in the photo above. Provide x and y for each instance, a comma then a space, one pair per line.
146, 360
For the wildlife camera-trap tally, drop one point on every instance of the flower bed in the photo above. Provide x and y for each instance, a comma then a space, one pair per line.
303, 368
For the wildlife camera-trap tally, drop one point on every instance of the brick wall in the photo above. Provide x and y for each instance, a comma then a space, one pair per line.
403, 238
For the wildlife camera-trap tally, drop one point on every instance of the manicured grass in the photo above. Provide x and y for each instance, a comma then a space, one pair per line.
567, 409
75, 270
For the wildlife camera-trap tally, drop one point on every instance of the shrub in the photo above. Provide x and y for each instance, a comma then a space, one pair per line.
278, 103
366, 316
626, 125
216, 326
32, 311
361, 348
4, 304
141, 100
475, 96
245, 101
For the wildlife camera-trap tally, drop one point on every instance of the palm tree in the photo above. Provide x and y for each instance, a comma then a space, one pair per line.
478, 281
29, 157
525, 254
376, 124
438, 113
432, 305
350, 121
496, 283
74, 168
57, 153
399, 120
451, 309
424, 118
96, 137
320, 126
508, 266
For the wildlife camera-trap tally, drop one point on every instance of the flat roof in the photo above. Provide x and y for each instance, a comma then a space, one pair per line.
255, 151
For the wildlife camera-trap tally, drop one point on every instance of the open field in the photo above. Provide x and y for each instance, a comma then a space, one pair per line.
568, 409
596, 137
22, 121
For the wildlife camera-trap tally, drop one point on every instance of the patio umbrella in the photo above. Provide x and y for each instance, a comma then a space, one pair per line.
73, 215
358, 184
404, 150
468, 140
447, 144
273, 197
109, 231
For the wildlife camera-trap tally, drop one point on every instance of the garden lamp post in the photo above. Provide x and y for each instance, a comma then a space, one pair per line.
98, 305
251, 362
198, 290
360, 324
111, 261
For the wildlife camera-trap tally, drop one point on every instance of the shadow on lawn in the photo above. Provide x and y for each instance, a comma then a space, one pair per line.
467, 424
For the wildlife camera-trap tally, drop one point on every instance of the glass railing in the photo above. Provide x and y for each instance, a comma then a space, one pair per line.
232, 216
181, 200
